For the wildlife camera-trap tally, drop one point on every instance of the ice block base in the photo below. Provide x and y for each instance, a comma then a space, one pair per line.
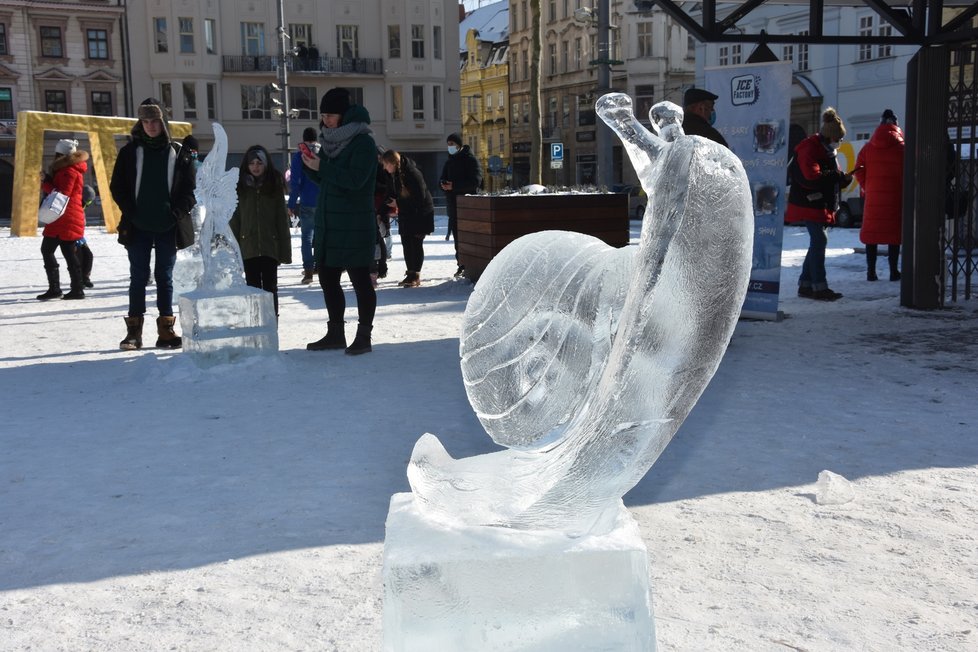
487, 588
220, 325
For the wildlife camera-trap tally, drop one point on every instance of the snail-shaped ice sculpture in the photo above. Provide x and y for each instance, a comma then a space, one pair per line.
584, 360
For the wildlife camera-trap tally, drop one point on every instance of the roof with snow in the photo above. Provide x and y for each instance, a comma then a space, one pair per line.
491, 21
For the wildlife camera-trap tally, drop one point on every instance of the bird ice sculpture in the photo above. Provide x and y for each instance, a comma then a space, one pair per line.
583, 360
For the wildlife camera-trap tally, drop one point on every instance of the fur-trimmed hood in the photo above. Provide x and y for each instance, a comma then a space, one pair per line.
150, 108
76, 157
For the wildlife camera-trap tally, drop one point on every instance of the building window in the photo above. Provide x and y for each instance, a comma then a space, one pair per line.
186, 35
417, 41
526, 64
256, 102
585, 111
417, 102
516, 112
189, 100
436, 42
578, 54
210, 29
101, 103
526, 23
56, 101
3, 40
166, 97
885, 49
865, 29
502, 143
436, 102
212, 101
788, 53
644, 37
301, 34
98, 43
397, 103
6, 104
736, 53
501, 101
347, 42
302, 100
51, 45
159, 31
393, 41
488, 102
552, 11
526, 112
489, 144
564, 55
552, 58
252, 39
644, 99
802, 62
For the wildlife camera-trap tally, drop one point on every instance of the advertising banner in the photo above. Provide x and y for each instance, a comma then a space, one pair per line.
753, 113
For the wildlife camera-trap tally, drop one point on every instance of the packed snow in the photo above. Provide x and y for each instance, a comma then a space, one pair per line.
147, 503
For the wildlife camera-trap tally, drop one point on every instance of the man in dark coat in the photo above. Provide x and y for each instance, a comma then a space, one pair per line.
698, 115
461, 175
153, 185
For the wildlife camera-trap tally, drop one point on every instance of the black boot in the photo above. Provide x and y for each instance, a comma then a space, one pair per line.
361, 343
894, 258
85, 257
167, 338
871, 263
134, 334
54, 284
335, 338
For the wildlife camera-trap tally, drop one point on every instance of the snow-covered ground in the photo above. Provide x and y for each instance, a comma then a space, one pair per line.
147, 504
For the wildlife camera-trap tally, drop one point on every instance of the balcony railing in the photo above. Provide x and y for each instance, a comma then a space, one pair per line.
267, 63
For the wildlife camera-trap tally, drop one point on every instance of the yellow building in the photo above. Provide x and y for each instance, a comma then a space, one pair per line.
485, 105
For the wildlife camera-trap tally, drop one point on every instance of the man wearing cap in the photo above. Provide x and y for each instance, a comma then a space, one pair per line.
461, 175
698, 115
153, 185
303, 193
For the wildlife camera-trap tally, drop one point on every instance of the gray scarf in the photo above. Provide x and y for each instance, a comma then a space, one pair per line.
335, 140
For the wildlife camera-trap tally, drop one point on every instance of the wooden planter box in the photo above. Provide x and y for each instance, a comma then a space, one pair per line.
486, 223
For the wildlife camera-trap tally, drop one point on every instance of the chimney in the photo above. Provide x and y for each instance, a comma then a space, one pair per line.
461, 12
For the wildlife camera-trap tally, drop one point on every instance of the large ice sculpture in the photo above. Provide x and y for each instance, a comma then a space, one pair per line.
221, 317
582, 360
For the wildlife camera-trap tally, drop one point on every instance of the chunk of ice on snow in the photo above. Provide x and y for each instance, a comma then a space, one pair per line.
833, 489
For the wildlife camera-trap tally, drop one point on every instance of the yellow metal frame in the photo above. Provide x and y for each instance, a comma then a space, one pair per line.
28, 156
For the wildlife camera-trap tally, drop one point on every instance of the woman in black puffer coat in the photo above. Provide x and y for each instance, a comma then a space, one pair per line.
415, 212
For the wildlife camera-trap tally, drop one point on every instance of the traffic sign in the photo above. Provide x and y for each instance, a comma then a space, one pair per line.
556, 151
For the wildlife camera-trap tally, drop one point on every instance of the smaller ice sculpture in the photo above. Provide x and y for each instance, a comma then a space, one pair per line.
582, 361
221, 317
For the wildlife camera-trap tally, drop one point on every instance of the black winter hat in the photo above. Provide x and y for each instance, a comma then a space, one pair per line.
190, 143
888, 118
454, 138
336, 100
694, 95
308, 134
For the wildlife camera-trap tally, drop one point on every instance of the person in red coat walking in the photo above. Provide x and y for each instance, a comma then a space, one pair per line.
67, 176
813, 199
879, 171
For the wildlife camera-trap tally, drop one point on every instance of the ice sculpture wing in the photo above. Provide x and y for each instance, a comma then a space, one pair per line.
584, 360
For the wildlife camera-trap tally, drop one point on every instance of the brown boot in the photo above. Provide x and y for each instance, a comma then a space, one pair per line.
167, 338
134, 334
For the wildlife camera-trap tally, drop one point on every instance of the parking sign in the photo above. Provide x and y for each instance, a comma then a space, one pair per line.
556, 151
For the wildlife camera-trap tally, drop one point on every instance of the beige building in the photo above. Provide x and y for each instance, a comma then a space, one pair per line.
65, 57
657, 54
217, 60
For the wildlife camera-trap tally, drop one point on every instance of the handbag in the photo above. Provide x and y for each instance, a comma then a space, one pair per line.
52, 208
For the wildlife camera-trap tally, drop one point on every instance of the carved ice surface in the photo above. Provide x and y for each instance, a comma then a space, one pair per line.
220, 315
584, 360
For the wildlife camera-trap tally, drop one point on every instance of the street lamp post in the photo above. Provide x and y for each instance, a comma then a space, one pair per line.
283, 87
605, 174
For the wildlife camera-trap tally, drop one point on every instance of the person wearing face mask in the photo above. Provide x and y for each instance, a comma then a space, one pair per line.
816, 183
699, 115
461, 175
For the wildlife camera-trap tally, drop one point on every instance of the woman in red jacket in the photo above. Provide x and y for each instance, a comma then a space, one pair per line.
67, 177
814, 198
879, 171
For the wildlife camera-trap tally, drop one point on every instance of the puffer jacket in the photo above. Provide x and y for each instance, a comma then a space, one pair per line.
415, 208
815, 189
260, 224
879, 171
346, 226
68, 177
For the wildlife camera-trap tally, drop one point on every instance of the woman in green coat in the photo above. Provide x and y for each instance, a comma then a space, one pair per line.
346, 229
260, 222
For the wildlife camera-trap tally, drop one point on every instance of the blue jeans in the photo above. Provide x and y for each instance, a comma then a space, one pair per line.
307, 223
140, 247
813, 269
